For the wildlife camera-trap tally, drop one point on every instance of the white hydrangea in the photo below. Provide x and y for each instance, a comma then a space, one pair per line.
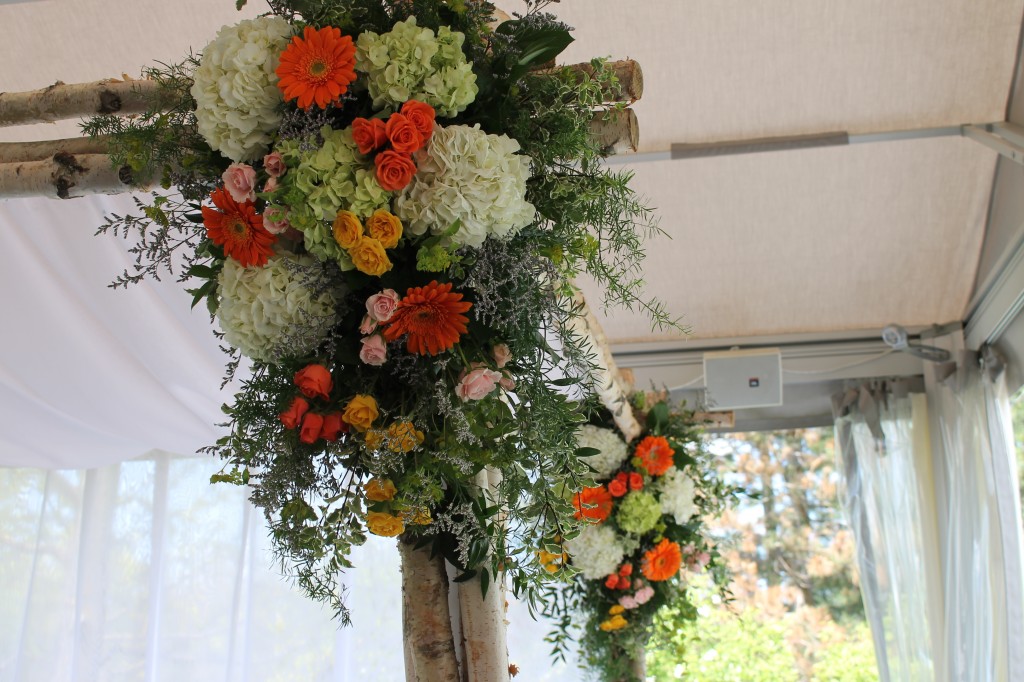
281, 310
613, 449
235, 88
596, 551
676, 494
467, 175
409, 62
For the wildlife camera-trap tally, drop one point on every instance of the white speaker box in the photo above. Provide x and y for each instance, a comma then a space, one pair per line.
735, 379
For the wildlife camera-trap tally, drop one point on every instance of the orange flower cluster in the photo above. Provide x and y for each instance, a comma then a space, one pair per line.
655, 455
432, 316
394, 142
620, 580
663, 561
317, 68
314, 382
593, 503
238, 229
623, 483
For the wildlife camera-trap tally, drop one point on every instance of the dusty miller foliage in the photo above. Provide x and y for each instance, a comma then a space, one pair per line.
588, 221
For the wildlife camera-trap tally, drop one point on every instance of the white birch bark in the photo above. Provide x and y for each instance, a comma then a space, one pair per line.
78, 100
616, 131
609, 385
14, 152
484, 628
64, 176
426, 619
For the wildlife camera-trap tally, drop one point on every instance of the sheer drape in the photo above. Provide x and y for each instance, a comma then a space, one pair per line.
886, 463
144, 571
982, 639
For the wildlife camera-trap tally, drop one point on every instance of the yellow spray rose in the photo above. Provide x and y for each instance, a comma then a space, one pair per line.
403, 437
361, 412
369, 257
374, 438
347, 229
384, 524
614, 623
378, 490
385, 227
421, 518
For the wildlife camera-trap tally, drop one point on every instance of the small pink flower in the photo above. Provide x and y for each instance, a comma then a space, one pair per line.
628, 602
644, 594
368, 325
382, 306
507, 382
275, 219
240, 182
271, 185
477, 384
374, 351
273, 163
501, 354
702, 559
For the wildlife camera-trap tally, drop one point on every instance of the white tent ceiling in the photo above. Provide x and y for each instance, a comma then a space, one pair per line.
812, 241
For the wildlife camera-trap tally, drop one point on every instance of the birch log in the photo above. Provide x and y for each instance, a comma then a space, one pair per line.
78, 100
67, 175
15, 152
609, 385
64, 176
425, 617
484, 627
627, 72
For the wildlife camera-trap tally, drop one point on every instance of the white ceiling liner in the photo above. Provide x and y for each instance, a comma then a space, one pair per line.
736, 69
814, 240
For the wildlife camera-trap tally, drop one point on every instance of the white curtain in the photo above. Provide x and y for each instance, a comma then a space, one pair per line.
143, 571
884, 454
983, 639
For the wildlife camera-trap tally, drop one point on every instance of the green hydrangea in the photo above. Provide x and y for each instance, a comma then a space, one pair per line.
410, 62
322, 181
433, 259
638, 512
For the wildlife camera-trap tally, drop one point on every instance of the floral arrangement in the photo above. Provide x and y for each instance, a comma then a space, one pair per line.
646, 537
384, 204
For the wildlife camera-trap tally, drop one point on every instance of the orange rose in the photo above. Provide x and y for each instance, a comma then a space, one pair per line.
333, 426
314, 381
385, 227
422, 116
347, 229
293, 415
312, 424
369, 257
636, 481
617, 488
394, 170
403, 134
361, 412
369, 134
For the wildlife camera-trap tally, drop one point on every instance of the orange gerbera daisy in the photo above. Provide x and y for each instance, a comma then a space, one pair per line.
593, 503
655, 455
431, 316
662, 562
317, 67
238, 228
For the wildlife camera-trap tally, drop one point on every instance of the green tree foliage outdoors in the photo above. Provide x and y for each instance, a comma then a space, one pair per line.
796, 613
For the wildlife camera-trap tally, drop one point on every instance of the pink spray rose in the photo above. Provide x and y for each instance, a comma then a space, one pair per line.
367, 325
628, 602
275, 219
507, 382
382, 306
501, 354
271, 185
374, 351
274, 164
477, 384
240, 182
644, 594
